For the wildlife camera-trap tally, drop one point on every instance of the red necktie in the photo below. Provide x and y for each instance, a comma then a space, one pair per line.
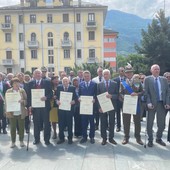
107, 85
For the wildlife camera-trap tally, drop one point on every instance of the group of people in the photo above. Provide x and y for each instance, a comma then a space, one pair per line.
153, 94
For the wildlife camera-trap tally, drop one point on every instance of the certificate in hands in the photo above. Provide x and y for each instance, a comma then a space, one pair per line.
130, 104
12, 102
86, 105
65, 100
105, 103
37, 94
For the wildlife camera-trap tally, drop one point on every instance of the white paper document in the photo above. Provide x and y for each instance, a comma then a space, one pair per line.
105, 103
86, 105
65, 100
130, 104
37, 94
12, 102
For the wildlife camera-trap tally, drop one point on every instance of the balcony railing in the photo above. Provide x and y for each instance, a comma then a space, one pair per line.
66, 44
6, 26
8, 62
92, 60
91, 24
33, 44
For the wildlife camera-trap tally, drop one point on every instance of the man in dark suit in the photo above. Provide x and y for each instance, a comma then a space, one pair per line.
119, 79
112, 93
40, 114
157, 93
88, 88
3, 88
66, 117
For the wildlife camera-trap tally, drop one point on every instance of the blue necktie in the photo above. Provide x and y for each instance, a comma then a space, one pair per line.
157, 89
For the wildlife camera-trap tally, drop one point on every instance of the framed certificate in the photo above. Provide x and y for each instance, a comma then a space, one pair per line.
37, 94
86, 105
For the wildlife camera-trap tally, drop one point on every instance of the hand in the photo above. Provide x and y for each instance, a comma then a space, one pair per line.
43, 98
100, 110
150, 106
54, 97
21, 101
72, 102
58, 102
79, 99
108, 95
93, 101
134, 94
167, 106
30, 109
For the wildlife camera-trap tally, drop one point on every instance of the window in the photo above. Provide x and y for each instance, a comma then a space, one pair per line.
9, 70
78, 17
50, 39
21, 19
91, 53
91, 35
21, 37
66, 54
32, 18
49, 18
33, 54
51, 69
33, 68
79, 53
8, 37
78, 36
21, 54
22, 70
7, 19
67, 70
33, 36
9, 55
91, 17
65, 18
66, 36
50, 57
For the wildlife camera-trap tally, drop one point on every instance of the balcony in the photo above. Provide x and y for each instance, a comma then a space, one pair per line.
91, 25
92, 60
66, 44
8, 62
33, 44
6, 27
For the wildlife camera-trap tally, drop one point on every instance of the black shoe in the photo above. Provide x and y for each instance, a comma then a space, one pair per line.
4, 131
70, 141
96, 128
113, 141
47, 142
61, 141
27, 131
150, 144
83, 140
104, 141
36, 142
118, 130
160, 141
139, 141
125, 141
92, 141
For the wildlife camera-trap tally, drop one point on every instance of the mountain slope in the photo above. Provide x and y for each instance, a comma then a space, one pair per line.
129, 27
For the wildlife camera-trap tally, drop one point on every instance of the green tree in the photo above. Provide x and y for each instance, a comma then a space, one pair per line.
155, 43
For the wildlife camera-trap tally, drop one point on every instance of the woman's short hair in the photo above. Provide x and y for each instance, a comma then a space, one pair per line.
15, 79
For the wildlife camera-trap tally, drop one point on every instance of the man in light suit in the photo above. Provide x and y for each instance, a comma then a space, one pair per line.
156, 90
112, 93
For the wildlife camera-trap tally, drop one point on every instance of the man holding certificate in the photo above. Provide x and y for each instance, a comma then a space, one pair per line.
39, 96
131, 89
110, 90
87, 93
66, 97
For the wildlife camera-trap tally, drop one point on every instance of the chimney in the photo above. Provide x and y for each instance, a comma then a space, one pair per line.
22, 3
79, 2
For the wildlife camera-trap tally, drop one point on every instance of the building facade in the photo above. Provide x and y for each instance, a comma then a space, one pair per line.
54, 33
110, 54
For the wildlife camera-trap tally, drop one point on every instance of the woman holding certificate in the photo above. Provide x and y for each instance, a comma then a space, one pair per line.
16, 100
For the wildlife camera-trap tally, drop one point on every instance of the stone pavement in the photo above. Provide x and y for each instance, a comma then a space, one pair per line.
85, 156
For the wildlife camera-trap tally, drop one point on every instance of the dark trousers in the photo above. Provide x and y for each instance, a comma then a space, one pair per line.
2, 117
168, 137
77, 121
126, 124
160, 117
105, 123
86, 119
41, 115
27, 122
118, 113
65, 119
96, 114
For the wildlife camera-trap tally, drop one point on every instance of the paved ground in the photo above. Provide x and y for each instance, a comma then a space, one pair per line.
85, 156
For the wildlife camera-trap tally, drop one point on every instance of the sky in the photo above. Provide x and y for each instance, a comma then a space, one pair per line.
142, 8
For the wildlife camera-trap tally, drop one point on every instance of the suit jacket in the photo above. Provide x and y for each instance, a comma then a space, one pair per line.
45, 84
96, 79
5, 88
150, 90
71, 89
112, 89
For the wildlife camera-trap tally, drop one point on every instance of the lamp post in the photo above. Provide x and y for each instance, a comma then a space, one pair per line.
42, 47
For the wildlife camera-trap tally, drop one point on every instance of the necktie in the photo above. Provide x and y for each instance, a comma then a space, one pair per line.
87, 85
157, 89
65, 89
38, 82
107, 85
100, 79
